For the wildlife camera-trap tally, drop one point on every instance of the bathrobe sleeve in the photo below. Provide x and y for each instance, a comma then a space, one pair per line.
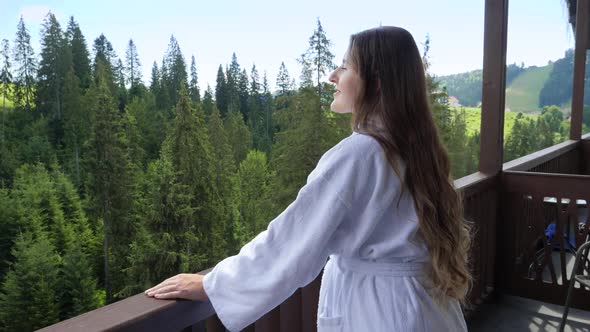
294, 248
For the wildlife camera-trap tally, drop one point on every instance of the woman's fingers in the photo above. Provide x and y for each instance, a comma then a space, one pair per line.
164, 290
165, 283
184, 286
169, 295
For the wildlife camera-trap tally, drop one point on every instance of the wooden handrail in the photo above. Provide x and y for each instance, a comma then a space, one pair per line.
537, 158
550, 184
138, 313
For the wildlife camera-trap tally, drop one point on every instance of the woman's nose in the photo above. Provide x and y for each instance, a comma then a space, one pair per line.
333, 77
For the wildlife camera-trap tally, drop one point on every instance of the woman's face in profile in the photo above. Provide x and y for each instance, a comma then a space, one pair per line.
348, 86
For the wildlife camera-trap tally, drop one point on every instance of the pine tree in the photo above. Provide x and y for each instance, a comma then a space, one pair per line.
254, 196
319, 58
513, 147
25, 66
80, 54
208, 103
158, 88
244, 94
256, 120
120, 79
56, 59
240, 138
305, 135
224, 170
38, 206
174, 67
545, 135
110, 183
221, 94
232, 74
181, 230
472, 154
77, 283
155, 79
149, 129
194, 83
456, 146
107, 57
6, 79
8, 228
133, 69
283, 80
266, 105
28, 297
76, 125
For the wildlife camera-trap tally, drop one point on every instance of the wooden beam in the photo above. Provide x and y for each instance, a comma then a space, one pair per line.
493, 87
582, 13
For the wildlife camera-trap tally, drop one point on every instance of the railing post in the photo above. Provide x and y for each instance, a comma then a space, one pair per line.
582, 13
493, 87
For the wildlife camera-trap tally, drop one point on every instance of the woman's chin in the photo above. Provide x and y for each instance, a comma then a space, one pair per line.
339, 109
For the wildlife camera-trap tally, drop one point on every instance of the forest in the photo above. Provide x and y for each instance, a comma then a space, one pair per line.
111, 182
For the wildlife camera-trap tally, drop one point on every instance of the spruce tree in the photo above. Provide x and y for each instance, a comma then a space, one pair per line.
56, 59
174, 67
29, 290
133, 69
80, 54
319, 58
25, 67
105, 54
224, 170
244, 94
283, 80
38, 206
76, 126
193, 87
221, 94
305, 135
257, 117
181, 229
208, 102
253, 181
239, 137
267, 106
6, 80
120, 79
306, 77
110, 185
77, 285
8, 229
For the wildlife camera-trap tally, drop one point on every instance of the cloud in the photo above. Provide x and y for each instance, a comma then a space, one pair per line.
36, 14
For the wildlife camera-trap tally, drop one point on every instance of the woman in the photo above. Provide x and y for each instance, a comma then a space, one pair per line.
380, 205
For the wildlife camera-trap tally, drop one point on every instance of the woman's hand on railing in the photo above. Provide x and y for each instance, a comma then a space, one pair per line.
181, 286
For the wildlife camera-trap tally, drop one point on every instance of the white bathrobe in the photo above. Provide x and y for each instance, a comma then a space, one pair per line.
349, 211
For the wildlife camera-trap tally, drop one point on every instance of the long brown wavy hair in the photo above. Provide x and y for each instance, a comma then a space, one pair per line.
394, 94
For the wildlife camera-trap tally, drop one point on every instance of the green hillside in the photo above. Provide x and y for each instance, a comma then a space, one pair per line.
522, 95
473, 120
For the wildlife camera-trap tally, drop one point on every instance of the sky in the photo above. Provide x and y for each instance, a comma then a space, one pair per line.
266, 33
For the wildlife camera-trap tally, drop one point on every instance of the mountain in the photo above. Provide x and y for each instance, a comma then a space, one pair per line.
527, 89
522, 95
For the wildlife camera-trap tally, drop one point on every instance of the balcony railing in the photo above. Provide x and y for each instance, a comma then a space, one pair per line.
518, 259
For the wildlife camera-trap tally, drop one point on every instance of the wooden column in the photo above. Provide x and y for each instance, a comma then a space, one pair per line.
582, 12
493, 87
